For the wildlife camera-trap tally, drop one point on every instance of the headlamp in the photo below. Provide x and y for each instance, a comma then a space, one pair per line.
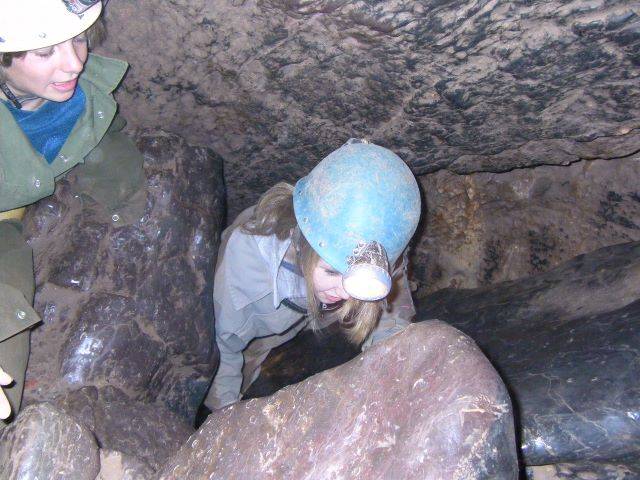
367, 275
79, 6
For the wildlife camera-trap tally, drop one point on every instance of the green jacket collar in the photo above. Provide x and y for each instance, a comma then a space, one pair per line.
105, 73
25, 176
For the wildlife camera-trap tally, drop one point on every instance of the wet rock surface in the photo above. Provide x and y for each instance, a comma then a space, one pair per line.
143, 434
425, 403
46, 443
128, 303
566, 344
274, 86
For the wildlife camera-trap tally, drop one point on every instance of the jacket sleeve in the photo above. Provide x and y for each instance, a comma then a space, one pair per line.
232, 325
16, 282
112, 174
399, 311
227, 382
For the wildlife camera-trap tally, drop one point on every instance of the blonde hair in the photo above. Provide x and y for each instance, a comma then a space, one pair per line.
274, 215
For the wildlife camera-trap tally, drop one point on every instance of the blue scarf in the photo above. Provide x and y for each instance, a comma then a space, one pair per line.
48, 127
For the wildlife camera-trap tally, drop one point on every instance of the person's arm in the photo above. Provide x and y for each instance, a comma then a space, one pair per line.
112, 174
243, 308
227, 383
400, 310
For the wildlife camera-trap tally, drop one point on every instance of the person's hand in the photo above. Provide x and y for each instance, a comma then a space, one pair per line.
5, 406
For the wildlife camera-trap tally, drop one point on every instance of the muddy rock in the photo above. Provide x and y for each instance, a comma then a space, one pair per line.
124, 302
142, 432
565, 342
425, 403
46, 443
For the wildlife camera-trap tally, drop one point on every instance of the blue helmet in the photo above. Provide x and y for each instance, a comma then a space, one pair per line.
359, 204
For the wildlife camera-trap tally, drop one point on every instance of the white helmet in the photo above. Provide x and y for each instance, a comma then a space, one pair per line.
32, 24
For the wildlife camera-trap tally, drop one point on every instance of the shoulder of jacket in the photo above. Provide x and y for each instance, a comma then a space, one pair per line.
104, 72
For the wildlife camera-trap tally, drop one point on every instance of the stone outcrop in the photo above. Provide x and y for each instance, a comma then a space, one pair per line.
142, 434
273, 86
125, 352
566, 344
485, 228
128, 303
45, 443
424, 403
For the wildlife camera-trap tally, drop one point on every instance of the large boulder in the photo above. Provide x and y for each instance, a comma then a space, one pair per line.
138, 432
425, 403
565, 342
129, 303
45, 443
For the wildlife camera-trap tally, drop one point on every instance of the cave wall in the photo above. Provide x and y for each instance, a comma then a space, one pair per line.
485, 228
455, 88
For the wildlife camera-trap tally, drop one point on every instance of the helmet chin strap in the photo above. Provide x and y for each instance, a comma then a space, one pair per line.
18, 102
10, 96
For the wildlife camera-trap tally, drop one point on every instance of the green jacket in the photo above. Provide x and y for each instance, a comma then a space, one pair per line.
25, 176
111, 170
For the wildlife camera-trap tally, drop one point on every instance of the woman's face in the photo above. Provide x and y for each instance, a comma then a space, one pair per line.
49, 73
327, 284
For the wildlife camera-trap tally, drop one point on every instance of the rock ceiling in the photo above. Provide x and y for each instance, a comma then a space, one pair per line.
273, 86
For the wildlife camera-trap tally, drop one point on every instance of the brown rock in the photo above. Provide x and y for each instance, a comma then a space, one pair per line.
565, 343
275, 85
585, 470
144, 433
45, 443
485, 228
425, 403
119, 466
129, 303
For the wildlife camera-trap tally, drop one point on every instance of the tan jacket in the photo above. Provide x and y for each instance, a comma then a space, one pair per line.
248, 325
